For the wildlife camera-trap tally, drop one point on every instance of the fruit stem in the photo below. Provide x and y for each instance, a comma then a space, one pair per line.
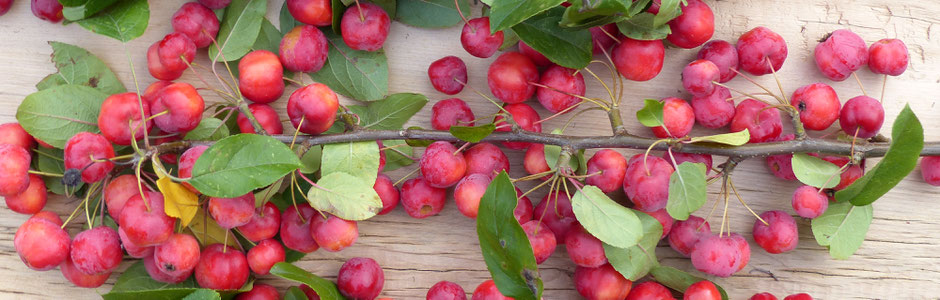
779, 85
362, 17
403, 178
758, 84
540, 185
45, 173
884, 83
140, 99
291, 80
464, 18
859, 81
735, 190
243, 109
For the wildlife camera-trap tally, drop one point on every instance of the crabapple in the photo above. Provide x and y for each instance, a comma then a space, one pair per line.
303, 49
388, 193
156, 67
744, 249
295, 228
176, 51
761, 51
221, 267
14, 134
442, 165
697, 77
265, 115
510, 76
183, 106
715, 110
120, 115
646, 182
41, 244
888, 56
685, 234
680, 158
929, 169
524, 210
310, 293
198, 22
260, 291
534, 161
487, 291
264, 255
541, 238
486, 159
49, 10
716, 255
264, 223
81, 279
448, 74
80, 152
32, 199
842, 53
146, 224
475, 37
420, 199
215, 4
818, 105
639, 60
603, 37
316, 105
808, 202
97, 250
261, 76
560, 85
446, 290
451, 112
664, 219
187, 161
364, 26
333, 233
152, 91
800, 296
313, 12
850, 174
232, 212
177, 256
536, 56
468, 192
649, 290
702, 290
763, 296
5, 6
556, 212
781, 165
607, 169
862, 117
693, 27
360, 278
151, 267
523, 115
381, 155
678, 118
723, 55
48, 215
584, 249
134, 250
601, 283
778, 235
761, 121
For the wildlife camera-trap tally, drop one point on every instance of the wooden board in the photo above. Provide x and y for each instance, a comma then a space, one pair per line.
899, 259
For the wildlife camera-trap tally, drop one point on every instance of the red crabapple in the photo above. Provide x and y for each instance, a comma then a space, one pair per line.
541, 238
715, 110
197, 22
612, 167
693, 27
313, 12
763, 296
232, 212
647, 184
260, 291
664, 219
760, 120
536, 56
265, 115
295, 228
184, 108
780, 235
800, 296
5, 6
381, 155
41, 244
151, 267
759, 46
702, 290
49, 10
862, 117
850, 174
930, 169
333, 233
176, 51
649, 290
561, 83
781, 165
303, 49
152, 92
365, 26
523, 115
134, 250
448, 74
156, 67
97, 250
264, 223
487, 291
716, 255
221, 267
603, 37
808, 202
555, 211
486, 159
316, 105
888, 56
534, 161
601, 283
678, 118
261, 76
311, 294
723, 55
13, 133
420, 199
818, 105
442, 165
524, 210
177, 256
264, 255
215, 4
120, 118
680, 158
468, 192
81, 279
510, 76
685, 234
477, 40
360, 278
842, 53
744, 249
451, 112
584, 249
32, 199
639, 60
48, 215
187, 161
388, 193
697, 77
146, 224
81, 149
446, 290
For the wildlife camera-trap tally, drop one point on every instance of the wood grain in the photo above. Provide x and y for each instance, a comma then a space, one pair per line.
899, 259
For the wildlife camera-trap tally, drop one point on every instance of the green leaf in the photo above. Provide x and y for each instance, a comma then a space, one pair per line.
124, 21
338, 10
651, 115
473, 134
552, 153
610, 222
397, 157
430, 13
635, 262
392, 112
77, 66
361, 75
266, 194
325, 289
51, 161
311, 160
505, 246
239, 29
360, 159
292, 256
238, 164
584, 14
567, 48
209, 129
687, 190
907, 140
390, 7
56, 114
668, 10
135, 283
842, 228
510, 39
90, 7
346, 196
507, 13
269, 38
67, 3
287, 21
679, 280
641, 27
294, 293
733, 139
203, 294
815, 171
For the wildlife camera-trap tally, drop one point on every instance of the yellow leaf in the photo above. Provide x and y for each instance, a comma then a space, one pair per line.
158, 167
178, 201
208, 232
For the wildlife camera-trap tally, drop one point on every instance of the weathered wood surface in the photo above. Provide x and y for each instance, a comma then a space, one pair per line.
899, 259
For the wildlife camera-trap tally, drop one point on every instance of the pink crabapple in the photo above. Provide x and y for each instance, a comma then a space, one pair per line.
761, 51
303, 49
448, 74
778, 235
840, 54
477, 40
